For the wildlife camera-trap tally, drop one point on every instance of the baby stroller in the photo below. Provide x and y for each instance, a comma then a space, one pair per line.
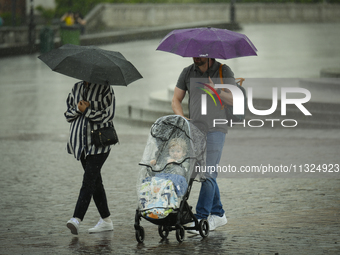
174, 149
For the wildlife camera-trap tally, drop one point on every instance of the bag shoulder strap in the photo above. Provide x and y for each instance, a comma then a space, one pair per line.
221, 75
221, 78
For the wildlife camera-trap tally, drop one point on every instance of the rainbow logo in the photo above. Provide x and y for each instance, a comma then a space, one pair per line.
208, 92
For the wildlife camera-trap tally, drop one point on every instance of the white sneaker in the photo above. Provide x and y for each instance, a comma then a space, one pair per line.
73, 225
216, 221
101, 226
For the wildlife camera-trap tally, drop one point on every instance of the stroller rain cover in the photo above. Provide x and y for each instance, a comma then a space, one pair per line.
174, 147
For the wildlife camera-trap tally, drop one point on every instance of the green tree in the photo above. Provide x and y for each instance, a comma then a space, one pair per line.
83, 6
47, 14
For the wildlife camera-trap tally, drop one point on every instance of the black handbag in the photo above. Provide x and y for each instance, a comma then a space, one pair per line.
104, 136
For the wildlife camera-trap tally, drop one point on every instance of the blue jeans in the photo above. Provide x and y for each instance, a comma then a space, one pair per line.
209, 201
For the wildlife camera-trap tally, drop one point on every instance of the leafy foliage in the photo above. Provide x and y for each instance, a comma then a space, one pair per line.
47, 14
83, 6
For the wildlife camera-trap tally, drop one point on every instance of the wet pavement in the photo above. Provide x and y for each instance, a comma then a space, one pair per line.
297, 214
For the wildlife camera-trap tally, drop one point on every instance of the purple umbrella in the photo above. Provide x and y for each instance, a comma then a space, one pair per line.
207, 42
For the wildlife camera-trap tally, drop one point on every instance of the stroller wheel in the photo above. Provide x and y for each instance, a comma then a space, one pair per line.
140, 235
204, 228
163, 231
180, 234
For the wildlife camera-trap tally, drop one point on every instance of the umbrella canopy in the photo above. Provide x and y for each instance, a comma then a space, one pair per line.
91, 64
207, 42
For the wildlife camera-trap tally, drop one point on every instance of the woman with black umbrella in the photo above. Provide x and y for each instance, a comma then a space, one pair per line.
90, 106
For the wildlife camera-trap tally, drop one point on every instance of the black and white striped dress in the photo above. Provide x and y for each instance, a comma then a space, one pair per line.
99, 114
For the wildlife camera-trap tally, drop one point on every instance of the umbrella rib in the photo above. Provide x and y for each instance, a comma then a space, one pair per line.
225, 53
190, 40
58, 67
121, 71
108, 82
242, 37
187, 45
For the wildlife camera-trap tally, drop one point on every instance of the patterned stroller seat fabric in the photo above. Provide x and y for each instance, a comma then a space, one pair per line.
159, 195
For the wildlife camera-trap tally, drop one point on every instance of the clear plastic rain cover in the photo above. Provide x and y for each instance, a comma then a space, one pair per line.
174, 147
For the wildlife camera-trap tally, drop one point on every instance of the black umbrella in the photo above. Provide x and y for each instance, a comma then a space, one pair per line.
91, 64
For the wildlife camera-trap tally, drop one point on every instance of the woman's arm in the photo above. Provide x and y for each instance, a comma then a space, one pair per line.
107, 111
72, 111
